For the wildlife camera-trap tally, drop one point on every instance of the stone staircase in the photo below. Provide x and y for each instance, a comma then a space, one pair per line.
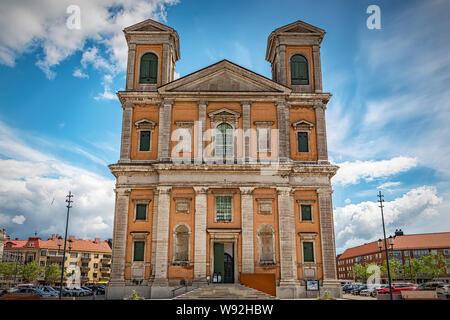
225, 292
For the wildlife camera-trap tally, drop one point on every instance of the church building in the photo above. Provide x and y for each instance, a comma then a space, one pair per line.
223, 172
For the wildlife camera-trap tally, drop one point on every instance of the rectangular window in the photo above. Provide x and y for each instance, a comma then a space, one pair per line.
43, 253
447, 261
141, 212
144, 141
223, 209
306, 212
302, 142
446, 251
74, 255
139, 251
406, 253
264, 139
308, 252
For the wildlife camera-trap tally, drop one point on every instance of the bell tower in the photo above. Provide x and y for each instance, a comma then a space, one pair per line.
294, 54
153, 50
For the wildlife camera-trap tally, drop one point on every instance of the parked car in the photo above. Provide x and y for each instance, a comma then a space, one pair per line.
88, 290
443, 290
50, 290
397, 288
371, 290
431, 286
30, 290
356, 291
348, 288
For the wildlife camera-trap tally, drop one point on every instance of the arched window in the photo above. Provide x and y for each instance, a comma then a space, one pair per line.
149, 68
224, 140
266, 245
181, 244
299, 70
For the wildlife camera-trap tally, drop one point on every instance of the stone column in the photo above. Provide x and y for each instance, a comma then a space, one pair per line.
154, 231
321, 133
130, 66
165, 64
201, 128
317, 69
286, 235
119, 236
165, 125
327, 237
127, 119
246, 125
283, 131
281, 54
162, 242
200, 234
248, 254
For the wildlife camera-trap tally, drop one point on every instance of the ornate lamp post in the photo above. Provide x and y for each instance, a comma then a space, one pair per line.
59, 243
69, 202
385, 243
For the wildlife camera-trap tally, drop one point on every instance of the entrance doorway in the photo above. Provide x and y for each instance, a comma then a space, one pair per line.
224, 261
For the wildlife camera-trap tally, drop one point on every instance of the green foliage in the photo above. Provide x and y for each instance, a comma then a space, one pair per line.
433, 265
326, 296
52, 273
8, 269
413, 270
31, 271
395, 268
134, 296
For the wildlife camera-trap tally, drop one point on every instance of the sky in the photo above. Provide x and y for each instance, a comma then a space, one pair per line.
387, 121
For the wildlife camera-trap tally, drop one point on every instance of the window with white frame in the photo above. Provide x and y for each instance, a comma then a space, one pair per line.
302, 131
224, 210
145, 129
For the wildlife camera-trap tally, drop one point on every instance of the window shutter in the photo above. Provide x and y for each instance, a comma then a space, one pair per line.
308, 253
306, 213
139, 250
302, 142
299, 70
144, 144
141, 211
149, 68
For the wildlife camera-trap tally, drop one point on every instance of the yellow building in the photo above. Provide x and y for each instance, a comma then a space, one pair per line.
90, 259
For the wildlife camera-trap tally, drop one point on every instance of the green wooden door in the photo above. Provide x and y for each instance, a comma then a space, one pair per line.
218, 259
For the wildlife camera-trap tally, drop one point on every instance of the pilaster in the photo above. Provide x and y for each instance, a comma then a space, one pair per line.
283, 130
201, 128
130, 66
248, 255
200, 234
127, 118
120, 236
162, 243
327, 236
246, 128
321, 133
164, 134
317, 69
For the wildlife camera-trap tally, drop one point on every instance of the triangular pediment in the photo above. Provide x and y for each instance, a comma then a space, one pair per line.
149, 25
299, 27
224, 112
224, 76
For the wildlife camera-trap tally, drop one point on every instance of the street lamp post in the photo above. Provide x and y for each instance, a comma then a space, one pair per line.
385, 243
69, 202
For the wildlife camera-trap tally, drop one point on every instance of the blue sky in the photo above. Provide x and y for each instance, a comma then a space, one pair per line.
387, 121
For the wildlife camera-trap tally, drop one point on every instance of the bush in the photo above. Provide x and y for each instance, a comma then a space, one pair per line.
326, 296
134, 296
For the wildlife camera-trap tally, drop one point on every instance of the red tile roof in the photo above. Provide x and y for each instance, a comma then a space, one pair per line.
52, 243
404, 242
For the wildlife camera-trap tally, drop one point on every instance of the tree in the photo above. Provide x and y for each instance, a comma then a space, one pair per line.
395, 268
52, 273
31, 271
9, 269
433, 265
413, 269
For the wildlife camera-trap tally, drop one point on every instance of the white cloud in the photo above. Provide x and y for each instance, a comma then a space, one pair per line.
388, 185
18, 219
348, 201
354, 172
359, 223
77, 73
34, 185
